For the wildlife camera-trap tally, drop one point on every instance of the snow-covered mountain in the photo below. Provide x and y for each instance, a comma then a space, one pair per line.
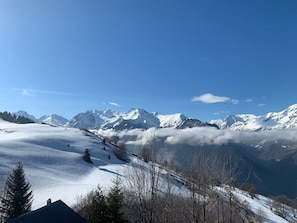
26, 115
53, 119
134, 118
109, 119
49, 119
285, 119
140, 118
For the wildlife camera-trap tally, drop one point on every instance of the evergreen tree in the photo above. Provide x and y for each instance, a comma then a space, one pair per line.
87, 157
98, 210
115, 202
17, 197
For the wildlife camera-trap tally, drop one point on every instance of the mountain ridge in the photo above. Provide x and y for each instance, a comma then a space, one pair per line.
285, 119
140, 118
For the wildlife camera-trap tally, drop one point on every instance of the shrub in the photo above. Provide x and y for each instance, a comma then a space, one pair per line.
87, 157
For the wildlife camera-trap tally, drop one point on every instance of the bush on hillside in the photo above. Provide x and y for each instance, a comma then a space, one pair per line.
87, 156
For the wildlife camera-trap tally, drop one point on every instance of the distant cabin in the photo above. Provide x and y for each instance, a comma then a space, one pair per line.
56, 212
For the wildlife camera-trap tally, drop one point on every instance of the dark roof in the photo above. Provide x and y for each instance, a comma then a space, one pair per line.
56, 212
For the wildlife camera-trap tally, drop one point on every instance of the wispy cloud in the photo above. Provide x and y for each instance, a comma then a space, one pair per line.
209, 98
114, 104
31, 92
261, 104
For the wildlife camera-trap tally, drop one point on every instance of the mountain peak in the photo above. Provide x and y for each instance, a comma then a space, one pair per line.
140, 118
134, 118
284, 119
53, 119
25, 114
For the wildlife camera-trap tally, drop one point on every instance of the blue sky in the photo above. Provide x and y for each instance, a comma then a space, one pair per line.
206, 59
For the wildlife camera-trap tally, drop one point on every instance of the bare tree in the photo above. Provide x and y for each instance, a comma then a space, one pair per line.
224, 171
121, 152
144, 181
114, 139
146, 153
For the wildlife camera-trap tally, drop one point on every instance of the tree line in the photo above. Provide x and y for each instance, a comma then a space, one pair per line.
7, 116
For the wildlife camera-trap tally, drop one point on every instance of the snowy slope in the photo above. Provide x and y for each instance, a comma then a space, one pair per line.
285, 119
260, 205
51, 156
171, 120
52, 161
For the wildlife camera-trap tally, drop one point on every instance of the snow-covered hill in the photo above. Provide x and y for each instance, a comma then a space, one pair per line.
51, 157
285, 119
52, 160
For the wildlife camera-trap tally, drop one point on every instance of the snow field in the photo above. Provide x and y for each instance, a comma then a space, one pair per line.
52, 161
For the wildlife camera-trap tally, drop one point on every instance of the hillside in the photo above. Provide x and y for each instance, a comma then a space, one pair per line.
52, 161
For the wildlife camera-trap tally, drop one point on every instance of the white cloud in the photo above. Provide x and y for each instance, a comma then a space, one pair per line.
30, 92
261, 104
209, 98
198, 136
249, 100
114, 104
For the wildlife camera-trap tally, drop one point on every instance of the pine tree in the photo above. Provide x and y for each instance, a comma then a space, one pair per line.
87, 157
98, 210
115, 202
17, 197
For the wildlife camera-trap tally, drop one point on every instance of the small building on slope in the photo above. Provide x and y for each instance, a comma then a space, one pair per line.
54, 212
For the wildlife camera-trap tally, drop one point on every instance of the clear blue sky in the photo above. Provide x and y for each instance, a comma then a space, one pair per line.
206, 59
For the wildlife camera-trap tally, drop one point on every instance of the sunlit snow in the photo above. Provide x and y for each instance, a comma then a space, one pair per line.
51, 157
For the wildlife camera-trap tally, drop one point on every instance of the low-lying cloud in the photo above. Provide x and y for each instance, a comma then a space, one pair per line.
199, 136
